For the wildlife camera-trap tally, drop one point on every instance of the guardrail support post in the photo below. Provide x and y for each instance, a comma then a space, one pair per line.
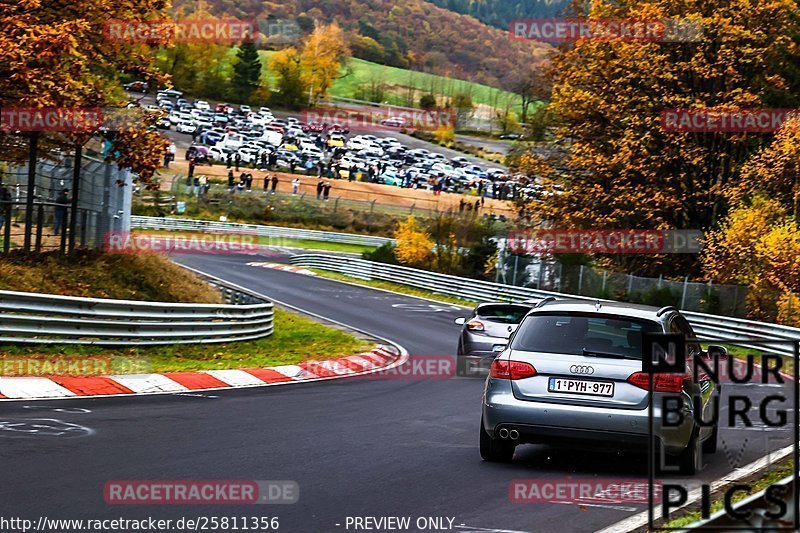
580, 281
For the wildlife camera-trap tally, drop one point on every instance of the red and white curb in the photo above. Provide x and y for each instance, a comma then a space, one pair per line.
34, 388
280, 266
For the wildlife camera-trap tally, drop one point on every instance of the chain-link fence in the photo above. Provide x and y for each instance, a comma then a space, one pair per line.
57, 214
582, 280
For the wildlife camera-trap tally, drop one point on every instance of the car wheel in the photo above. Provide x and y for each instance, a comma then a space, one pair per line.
688, 458
495, 450
710, 444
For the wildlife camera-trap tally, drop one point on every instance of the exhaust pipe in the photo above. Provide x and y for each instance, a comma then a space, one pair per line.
503, 433
514, 434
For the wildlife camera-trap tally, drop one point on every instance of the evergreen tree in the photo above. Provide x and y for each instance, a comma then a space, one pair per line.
246, 72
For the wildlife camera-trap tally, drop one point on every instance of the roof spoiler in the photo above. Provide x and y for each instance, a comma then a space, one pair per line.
544, 301
666, 309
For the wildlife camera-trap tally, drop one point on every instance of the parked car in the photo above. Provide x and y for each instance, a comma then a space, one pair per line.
572, 375
185, 126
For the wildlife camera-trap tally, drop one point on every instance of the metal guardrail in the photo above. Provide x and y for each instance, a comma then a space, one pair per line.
758, 506
210, 226
707, 327
31, 318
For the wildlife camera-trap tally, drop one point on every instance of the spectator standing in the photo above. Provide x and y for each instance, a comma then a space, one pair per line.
237, 158
327, 189
291, 166
62, 201
249, 182
320, 185
231, 180
295, 186
229, 160
274, 183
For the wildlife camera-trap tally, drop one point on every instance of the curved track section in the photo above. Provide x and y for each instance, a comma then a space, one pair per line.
397, 447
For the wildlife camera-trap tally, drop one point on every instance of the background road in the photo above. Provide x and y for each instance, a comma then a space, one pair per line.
356, 447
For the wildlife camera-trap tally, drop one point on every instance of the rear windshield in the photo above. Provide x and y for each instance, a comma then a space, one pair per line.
505, 314
572, 333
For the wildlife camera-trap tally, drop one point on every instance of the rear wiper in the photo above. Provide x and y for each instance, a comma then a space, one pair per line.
591, 353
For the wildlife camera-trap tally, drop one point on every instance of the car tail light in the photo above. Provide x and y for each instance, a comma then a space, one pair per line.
503, 369
661, 382
475, 325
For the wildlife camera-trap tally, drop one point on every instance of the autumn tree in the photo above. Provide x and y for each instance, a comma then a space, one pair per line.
414, 245
621, 169
289, 84
323, 54
61, 55
532, 85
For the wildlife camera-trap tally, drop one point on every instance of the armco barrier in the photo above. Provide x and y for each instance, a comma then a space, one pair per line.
210, 226
31, 318
706, 326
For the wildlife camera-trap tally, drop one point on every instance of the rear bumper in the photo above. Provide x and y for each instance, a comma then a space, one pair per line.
577, 425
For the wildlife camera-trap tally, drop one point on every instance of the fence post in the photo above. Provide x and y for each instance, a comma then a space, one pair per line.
73, 214
660, 280
560, 275
630, 284
580, 280
32, 149
411, 211
7, 228
516, 264
39, 224
683, 296
336, 204
541, 272
605, 273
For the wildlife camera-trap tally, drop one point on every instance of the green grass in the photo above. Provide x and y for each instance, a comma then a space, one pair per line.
396, 287
283, 242
780, 472
294, 340
357, 74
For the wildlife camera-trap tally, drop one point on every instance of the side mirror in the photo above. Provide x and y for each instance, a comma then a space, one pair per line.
497, 348
460, 321
716, 352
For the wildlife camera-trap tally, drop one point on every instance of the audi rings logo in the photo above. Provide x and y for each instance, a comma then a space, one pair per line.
580, 369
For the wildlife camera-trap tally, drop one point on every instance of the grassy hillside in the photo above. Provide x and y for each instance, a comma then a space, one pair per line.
94, 274
405, 87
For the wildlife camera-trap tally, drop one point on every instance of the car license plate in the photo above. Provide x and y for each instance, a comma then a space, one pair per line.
581, 386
